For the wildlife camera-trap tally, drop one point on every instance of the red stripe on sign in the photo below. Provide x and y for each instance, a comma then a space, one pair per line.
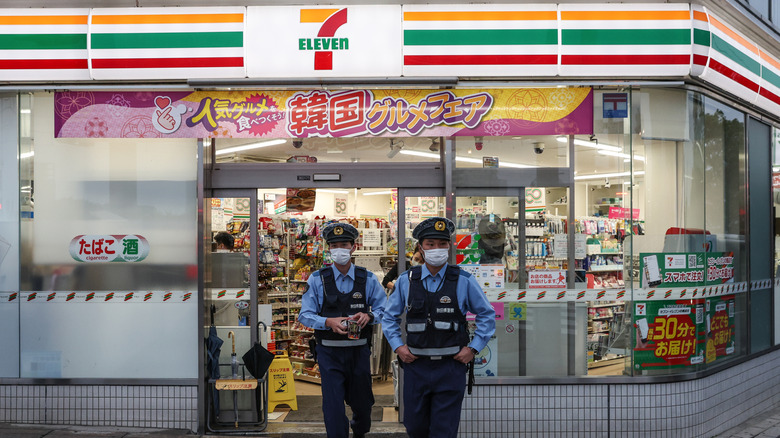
769, 95
167, 62
323, 60
700, 59
43, 64
480, 59
734, 76
624, 59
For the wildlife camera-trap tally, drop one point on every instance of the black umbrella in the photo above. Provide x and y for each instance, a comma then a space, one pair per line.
213, 350
258, 359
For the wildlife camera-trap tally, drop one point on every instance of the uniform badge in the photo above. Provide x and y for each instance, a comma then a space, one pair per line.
338, 231
445, 300
439, 226
357, 295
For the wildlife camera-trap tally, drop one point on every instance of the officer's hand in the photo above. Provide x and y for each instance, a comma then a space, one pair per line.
336, 325
404, 354
361, 318
465, 355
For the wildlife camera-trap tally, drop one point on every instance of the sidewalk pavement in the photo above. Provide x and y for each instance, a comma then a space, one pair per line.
275, 430
764, 425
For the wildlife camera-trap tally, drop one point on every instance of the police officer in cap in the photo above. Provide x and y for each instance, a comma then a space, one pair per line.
436, 297
336, 296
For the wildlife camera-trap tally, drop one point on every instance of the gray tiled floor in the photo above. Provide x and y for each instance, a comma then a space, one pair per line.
765, 425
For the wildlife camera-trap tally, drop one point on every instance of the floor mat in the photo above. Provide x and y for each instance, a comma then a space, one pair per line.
310, 409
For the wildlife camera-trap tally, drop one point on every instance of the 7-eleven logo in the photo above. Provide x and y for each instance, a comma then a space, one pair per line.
326, 42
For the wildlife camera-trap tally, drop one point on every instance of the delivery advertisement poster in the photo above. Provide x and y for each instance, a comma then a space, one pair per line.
681, 333
686, 269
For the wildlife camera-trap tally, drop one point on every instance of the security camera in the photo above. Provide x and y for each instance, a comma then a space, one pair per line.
297, 143
607, 184
538, 147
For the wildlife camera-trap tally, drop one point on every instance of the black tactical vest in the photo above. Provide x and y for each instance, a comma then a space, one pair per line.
336, 304
435, 326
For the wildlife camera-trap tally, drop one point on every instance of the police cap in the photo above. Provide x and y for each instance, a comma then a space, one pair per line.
434, 228
338, 232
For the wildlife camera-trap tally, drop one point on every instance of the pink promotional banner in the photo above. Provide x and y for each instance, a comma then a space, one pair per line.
623, 213
320, 113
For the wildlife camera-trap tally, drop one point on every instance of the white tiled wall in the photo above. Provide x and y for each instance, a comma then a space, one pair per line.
695, 408
163, 407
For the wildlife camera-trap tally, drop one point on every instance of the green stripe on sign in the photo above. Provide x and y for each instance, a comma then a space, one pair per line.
736, 55
770, 76
175, 40
43, 41
603, 37
701, 37
478, 37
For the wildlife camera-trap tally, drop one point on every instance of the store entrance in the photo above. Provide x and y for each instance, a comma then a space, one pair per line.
253, 289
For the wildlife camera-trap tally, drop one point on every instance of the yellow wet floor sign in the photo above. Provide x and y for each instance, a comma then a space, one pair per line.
281, 386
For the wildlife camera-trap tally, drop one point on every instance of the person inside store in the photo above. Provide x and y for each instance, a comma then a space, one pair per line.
224, 242
492, 240
417, 259
341, 304
437, 349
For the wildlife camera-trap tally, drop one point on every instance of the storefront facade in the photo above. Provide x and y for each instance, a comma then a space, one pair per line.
610, 168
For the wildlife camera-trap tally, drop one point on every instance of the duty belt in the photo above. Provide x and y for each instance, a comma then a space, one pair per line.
445, 351
344, 342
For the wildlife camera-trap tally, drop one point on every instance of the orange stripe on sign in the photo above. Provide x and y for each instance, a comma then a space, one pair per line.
770, 60
699, 15
45, 19
316, 15
745, 43
168, 19
480, 16
625, 15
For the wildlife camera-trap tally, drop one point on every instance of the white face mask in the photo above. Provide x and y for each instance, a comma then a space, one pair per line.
340, 256
437, 257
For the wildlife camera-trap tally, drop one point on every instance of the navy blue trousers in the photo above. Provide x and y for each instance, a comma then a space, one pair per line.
433, 396
346, 377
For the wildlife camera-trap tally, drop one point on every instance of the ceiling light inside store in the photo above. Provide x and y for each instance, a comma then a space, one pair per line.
465, 159
342, 192
621, 154
607, 175
27, 154
245, 147
587, 144
383, 192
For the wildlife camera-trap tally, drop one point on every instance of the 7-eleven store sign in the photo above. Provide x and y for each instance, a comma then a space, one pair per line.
323, 41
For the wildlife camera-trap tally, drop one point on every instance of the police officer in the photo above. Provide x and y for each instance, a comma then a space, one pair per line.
436, 297
337, 295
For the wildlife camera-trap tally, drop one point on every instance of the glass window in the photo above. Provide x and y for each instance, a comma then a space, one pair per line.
9, 235
512, 152
110, 248
328, 150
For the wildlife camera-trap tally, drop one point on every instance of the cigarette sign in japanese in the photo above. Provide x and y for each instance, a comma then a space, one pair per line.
686, 269
109, 248
320, 113
681, 333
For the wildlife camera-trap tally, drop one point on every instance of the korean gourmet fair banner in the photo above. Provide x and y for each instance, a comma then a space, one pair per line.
320, 113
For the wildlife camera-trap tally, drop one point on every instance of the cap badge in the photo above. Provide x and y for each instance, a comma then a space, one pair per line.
439, 226
338, 231
445, 300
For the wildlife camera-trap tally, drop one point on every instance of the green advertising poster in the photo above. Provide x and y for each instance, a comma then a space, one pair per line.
668, 333
686, 269
682, 333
